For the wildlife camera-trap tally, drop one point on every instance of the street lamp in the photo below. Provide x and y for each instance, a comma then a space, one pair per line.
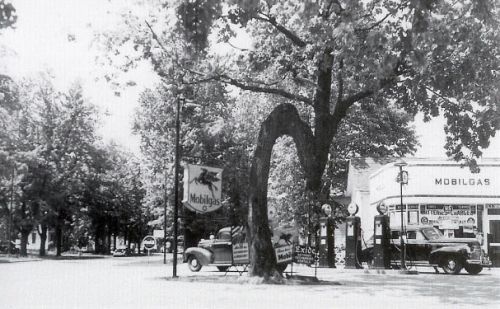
403, 179
176, 181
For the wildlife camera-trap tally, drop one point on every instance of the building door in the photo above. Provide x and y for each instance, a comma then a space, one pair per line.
494, 243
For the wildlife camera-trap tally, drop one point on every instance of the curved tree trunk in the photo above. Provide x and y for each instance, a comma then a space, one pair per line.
284, 120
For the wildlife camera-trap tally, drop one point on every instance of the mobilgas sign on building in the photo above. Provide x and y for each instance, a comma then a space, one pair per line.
202, 188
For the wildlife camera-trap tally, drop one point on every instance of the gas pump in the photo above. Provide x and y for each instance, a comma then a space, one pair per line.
353, 238
381, 239
326, 238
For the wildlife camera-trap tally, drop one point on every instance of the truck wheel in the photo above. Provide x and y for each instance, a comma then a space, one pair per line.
193, 263
473, 269
452, 265
222, 268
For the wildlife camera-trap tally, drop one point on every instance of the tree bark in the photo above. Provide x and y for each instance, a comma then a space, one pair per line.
108, 242
283, 120
25, 232
58, 240
43, 239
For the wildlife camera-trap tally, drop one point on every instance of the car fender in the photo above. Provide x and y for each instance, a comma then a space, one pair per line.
436, 255
204, 256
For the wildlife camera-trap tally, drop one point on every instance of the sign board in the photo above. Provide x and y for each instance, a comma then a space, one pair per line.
283, 253
158, 233
149, 242
304, 255
240, 253
448, 216
202, 188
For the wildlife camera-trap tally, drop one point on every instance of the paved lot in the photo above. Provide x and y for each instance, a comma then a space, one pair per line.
145, 282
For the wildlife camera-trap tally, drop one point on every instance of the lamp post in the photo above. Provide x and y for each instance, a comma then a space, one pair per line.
401, 178
176, 181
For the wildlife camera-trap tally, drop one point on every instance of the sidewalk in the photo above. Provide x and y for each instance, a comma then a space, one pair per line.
4, 258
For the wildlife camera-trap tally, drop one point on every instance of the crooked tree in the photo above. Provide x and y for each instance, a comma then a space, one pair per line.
432, 57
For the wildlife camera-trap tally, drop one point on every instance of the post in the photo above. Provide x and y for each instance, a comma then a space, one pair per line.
165, 219
401, 240
403, 262
176, 183
9, 227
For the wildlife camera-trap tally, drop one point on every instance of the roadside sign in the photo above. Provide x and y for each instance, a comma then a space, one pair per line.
158, 233
283, 253
240, 253
149, 242
304, 255
202, 188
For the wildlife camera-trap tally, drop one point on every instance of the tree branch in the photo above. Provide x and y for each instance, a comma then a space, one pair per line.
340, 81
342, 106
267, 88
292, 36
228, 80
376, 24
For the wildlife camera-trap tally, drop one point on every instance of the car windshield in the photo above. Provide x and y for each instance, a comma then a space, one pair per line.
432, 233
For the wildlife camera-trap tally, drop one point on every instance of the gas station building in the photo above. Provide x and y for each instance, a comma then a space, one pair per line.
439, 192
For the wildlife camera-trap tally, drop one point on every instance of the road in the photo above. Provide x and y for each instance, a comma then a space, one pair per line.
145, 282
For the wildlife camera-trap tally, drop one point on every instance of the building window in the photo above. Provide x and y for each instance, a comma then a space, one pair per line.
33, 237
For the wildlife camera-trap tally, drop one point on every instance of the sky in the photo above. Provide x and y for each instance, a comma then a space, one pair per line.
56, 35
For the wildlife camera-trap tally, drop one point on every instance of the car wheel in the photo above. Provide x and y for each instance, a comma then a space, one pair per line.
193, 263
452, 265
222, 268
473, 269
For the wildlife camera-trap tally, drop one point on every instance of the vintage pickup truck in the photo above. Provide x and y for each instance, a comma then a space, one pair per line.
426, 246
216, 252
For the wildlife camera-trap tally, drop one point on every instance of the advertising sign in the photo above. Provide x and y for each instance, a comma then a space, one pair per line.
158, 233
448, 216
304, 255
240, 253
202, 188
283, 253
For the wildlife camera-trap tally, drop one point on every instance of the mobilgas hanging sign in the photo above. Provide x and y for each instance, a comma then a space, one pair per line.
202, 188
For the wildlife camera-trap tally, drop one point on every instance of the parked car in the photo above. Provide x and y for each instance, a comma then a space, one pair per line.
426, 246
6, 248
216, 252
122, 252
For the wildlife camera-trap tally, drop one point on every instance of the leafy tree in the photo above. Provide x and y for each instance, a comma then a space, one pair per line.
331, 58
8, 16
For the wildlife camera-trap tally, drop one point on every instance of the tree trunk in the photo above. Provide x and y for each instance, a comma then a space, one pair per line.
25, 232
58, 240
43, 239
108, 242
283, 120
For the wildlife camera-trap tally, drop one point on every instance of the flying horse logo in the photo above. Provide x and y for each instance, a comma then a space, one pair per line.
207, 178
